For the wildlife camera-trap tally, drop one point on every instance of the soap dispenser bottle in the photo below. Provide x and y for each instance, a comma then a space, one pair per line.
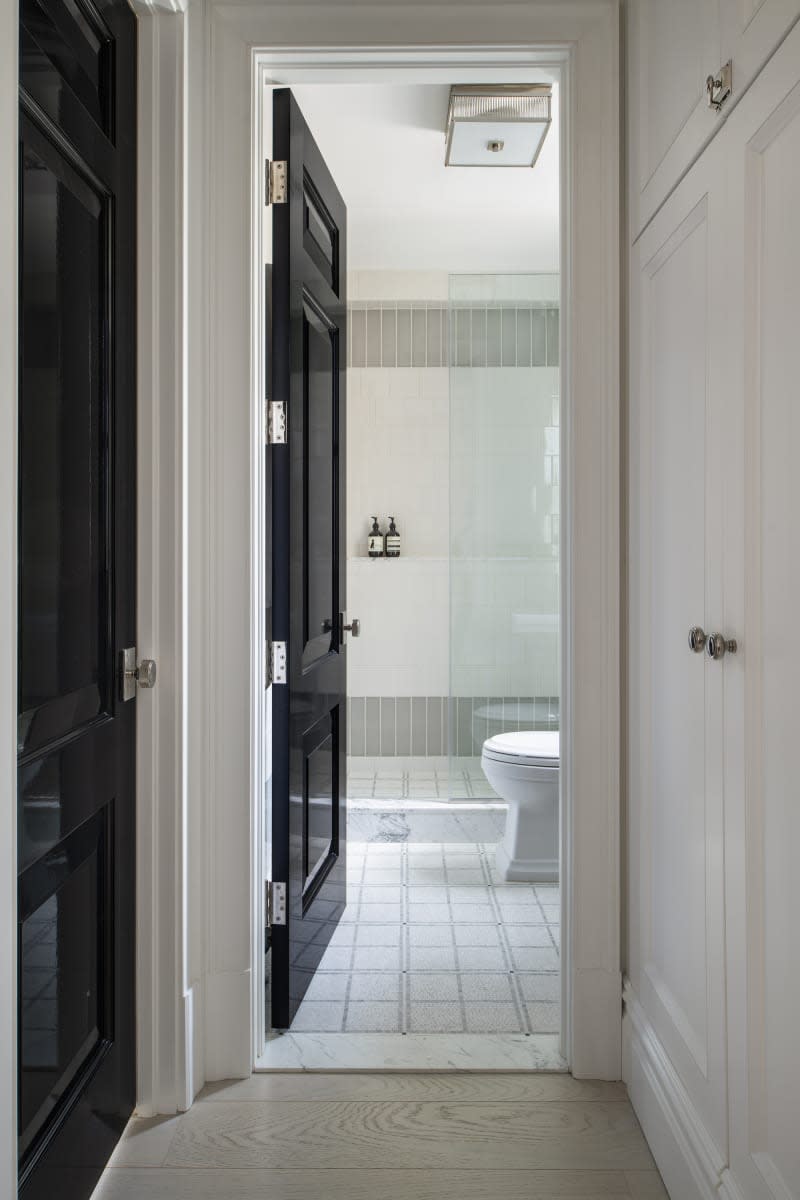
375, 543
392, 540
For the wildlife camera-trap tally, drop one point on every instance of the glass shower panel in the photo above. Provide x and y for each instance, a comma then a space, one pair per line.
504, 514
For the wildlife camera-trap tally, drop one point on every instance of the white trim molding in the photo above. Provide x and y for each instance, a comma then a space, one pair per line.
688, 1158
582, 38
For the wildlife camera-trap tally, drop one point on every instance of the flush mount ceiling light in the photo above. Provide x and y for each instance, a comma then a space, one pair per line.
496, 125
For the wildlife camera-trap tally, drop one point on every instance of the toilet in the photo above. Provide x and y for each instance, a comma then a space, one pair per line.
523, 770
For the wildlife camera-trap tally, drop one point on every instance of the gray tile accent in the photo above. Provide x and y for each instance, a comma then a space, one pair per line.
388, 741
404, 337
435, 349
374, 337
552, 337
438, 725
493, 338
539, 339
373, 725
358, 726
389, 337
358, 337
419, 725
403, 725
423, 335
419, 337
508, 318
478, 337
435, 739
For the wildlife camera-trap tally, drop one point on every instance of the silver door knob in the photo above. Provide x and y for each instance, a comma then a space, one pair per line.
717, 646
354, 627
697, 639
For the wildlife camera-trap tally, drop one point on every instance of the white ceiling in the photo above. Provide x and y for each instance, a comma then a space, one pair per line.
385, 147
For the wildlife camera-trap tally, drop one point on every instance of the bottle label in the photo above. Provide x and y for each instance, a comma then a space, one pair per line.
393, 544
376, 544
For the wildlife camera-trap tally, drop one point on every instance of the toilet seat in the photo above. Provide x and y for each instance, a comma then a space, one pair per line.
534, 748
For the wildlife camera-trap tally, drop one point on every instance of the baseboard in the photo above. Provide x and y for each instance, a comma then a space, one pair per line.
688, 1158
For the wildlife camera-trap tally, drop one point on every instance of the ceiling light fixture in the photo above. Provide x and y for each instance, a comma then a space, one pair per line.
497, 125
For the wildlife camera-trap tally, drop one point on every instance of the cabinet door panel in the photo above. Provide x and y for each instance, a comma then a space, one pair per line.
677, 953
672, 50
763, 797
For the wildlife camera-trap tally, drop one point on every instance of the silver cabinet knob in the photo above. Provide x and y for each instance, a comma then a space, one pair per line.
697, 639
717, 646
354, 627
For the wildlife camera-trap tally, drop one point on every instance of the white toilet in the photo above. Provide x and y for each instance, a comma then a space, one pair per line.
523, 770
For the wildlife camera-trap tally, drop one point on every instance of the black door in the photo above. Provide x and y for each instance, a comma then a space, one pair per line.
77, 430
309, 314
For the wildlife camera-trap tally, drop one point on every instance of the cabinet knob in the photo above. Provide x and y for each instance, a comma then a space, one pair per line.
717, 646
697, 639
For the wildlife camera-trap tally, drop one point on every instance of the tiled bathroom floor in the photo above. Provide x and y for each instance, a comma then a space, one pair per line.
433, 941
390, 780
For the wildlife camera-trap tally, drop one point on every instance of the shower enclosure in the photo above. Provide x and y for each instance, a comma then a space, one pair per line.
504, 513
453, 428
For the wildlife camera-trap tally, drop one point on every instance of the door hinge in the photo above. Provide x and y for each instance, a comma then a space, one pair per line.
277, 662
275, 181
720, 86
276, 903
276, 422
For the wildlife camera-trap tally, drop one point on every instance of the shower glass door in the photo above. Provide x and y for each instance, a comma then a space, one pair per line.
504, 514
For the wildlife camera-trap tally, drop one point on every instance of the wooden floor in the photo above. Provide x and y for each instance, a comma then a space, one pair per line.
391, 1137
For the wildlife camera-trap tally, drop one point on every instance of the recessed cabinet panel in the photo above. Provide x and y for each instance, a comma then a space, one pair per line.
672, 49
321, 387
67, 52
63, 437
62, 965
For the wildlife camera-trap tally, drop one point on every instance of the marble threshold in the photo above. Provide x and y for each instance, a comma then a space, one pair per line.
412, 1052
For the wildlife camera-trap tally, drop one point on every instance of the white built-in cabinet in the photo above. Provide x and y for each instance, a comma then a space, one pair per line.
674, 45
712, 1012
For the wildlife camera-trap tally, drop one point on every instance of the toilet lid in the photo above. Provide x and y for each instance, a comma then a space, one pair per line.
537, 747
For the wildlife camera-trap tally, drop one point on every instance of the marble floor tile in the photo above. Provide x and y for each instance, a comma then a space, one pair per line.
432, 943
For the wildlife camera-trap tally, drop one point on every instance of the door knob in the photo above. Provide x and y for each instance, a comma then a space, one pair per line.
354, 627
717, 646
697, 639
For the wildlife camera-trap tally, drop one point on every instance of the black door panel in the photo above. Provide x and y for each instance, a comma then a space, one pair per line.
77, 479
309, 313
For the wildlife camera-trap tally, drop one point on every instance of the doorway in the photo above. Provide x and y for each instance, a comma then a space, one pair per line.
453, 415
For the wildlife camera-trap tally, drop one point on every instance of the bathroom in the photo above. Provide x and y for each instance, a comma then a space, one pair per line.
452, 533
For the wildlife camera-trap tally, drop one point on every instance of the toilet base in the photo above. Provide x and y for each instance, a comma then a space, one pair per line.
525, 870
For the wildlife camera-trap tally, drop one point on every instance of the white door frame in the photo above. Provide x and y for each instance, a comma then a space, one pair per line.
359, 65
584, 37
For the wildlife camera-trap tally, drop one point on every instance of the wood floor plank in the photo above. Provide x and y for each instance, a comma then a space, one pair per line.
646, 1185
238, 1184
313, 1086
596, 1135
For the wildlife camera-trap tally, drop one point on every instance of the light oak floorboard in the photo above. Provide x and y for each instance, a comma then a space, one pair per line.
313, 1086
598, 1135
215, 1184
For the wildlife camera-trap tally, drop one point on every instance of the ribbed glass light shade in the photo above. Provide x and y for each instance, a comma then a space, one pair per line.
497, 126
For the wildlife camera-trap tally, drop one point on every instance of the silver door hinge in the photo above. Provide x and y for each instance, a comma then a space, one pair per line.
276, 422
276, 903
720, 86
275, 181
277, 662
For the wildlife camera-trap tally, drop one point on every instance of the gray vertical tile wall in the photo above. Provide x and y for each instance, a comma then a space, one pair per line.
385, 726
431, 335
